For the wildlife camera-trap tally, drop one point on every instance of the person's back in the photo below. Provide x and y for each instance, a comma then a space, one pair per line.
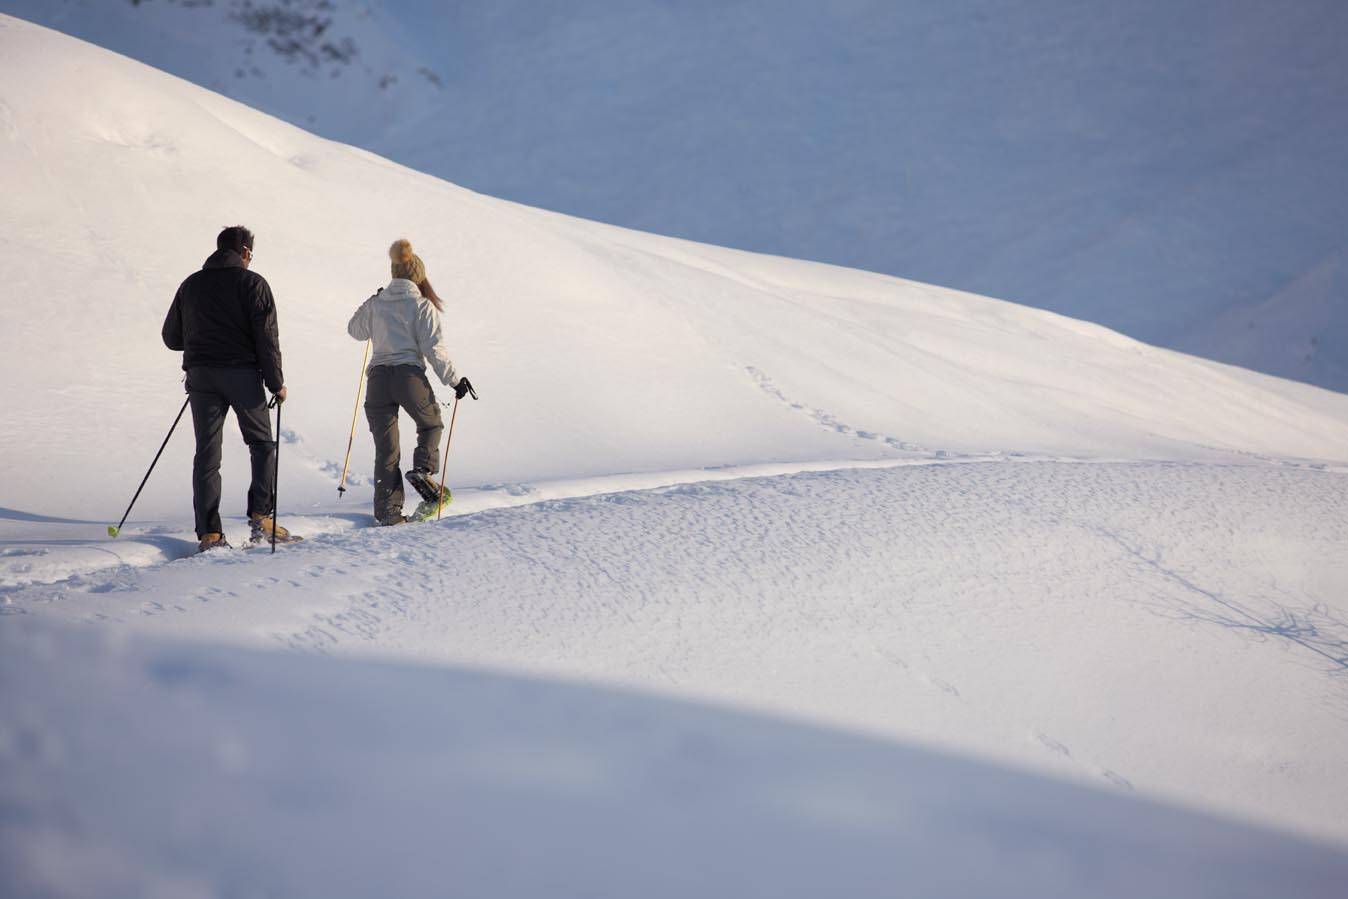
403, 326
403, 329
223, 319
394, 316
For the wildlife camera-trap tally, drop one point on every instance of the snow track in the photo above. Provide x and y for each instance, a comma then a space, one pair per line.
39, 549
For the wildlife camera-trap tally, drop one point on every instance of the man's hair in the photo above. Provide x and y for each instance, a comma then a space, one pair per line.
236, 238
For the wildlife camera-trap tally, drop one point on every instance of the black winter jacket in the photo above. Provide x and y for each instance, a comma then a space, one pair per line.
224, 317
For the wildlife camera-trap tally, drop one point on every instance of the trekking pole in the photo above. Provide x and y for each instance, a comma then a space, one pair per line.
440, 505
114, 530
276, 472
360, 382
445, 465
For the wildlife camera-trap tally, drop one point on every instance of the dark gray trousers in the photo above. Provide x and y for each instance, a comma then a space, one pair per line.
390, 388
213, 392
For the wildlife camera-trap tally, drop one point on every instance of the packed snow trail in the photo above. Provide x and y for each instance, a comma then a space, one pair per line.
38, 549
1175, 629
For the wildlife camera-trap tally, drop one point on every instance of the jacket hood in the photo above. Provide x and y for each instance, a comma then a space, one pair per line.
224, 259
399, 289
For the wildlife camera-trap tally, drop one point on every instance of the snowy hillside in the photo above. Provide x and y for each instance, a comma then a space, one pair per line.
1173, 171
762, 576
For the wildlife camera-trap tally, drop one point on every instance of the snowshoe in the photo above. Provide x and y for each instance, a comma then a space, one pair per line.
390, 522
432, 501
429, 508
262, 527
424, 483
209, 542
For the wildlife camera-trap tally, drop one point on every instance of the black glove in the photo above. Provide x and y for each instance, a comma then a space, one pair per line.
464, 389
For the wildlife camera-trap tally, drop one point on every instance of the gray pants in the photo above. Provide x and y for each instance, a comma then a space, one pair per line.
390, 388
213, 392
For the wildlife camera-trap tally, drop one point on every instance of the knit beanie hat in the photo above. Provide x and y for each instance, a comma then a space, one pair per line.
406, 264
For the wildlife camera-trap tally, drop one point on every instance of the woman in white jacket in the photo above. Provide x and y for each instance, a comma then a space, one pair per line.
402, 321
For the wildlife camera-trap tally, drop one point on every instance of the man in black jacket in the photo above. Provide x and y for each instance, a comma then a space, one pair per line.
223, 319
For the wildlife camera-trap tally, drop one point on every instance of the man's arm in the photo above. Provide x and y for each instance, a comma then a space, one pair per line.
431, 344
266, 339
173, 323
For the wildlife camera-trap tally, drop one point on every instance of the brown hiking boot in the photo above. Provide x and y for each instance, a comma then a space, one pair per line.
263, 525
212, 541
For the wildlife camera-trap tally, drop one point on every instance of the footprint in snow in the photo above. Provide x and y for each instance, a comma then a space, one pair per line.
510, 489
10, 551
893, 659
1053, 745
944, 686
110, 587
1116, 779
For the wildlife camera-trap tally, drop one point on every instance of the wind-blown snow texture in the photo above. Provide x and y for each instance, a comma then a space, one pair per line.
1170, 170
1004, 581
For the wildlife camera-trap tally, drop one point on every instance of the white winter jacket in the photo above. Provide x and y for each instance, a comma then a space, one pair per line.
405, 328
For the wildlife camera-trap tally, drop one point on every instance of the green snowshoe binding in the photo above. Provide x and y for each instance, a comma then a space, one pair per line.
429, 509
432, 499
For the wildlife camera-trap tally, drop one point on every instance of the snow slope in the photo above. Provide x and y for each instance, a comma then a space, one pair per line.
601, 351
1169, 170
888, 571
319, 777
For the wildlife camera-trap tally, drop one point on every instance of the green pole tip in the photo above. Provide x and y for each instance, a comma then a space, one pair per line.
112, 530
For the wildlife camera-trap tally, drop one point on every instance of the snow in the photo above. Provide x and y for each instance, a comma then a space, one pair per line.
1016, 610
320, 777
1168, 170
762, 576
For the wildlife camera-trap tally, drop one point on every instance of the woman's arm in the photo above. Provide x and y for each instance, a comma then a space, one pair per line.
359, 326
431, 344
